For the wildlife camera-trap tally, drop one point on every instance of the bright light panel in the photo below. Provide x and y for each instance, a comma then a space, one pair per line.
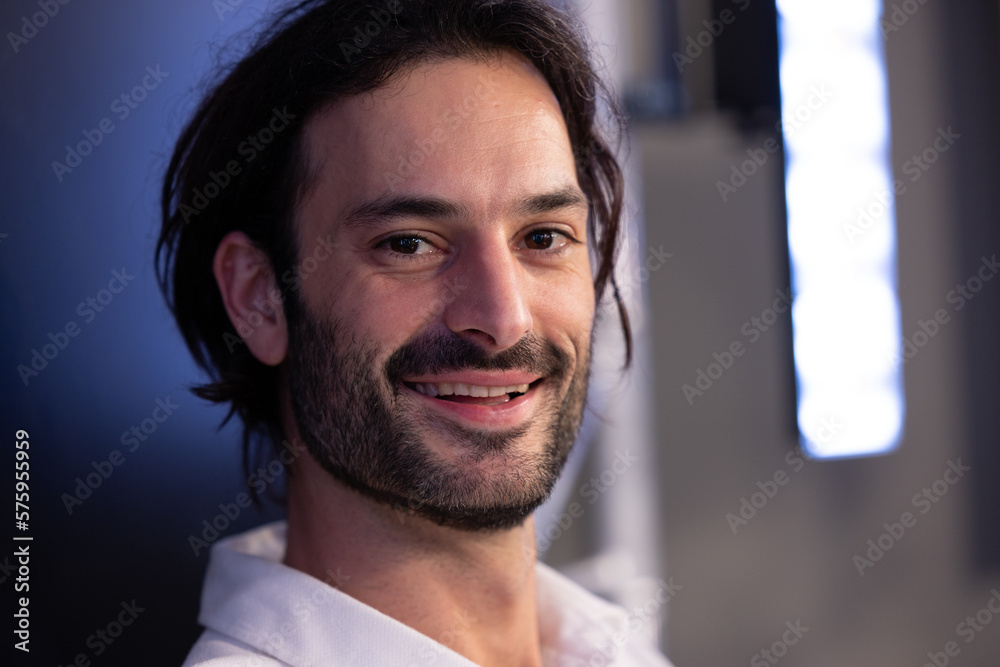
846, 320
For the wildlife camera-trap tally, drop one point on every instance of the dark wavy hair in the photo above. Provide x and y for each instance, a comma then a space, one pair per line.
313, 52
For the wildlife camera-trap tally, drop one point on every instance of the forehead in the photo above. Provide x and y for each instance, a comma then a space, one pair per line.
470, 130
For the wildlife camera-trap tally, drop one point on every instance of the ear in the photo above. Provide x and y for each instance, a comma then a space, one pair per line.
252, 299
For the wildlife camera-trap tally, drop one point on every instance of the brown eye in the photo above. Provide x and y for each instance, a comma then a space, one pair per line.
407, 245
540, 240
546, 241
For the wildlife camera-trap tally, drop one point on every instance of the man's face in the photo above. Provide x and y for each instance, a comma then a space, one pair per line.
440, 354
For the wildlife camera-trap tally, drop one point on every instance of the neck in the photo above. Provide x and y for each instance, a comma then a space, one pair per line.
473, 592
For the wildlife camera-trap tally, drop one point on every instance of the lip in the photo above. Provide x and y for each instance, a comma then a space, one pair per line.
505, 415
478, 378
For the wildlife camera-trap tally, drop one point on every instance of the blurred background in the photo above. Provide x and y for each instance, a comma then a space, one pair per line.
767, 555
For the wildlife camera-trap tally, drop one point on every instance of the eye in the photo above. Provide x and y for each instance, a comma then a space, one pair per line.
409, 245
546, 239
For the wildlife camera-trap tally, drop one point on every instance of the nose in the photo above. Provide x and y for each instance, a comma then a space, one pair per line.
490, 305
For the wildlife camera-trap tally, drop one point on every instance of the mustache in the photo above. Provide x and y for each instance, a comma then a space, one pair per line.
431, 353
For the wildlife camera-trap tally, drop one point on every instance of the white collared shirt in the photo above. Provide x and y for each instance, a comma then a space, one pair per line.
258, 611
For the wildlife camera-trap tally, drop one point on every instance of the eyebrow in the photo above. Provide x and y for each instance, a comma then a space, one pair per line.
390, 207
565, 197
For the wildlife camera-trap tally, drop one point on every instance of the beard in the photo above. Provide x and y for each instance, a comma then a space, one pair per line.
358, 423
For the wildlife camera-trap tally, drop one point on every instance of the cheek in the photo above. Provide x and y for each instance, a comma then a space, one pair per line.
564, 310
380, 312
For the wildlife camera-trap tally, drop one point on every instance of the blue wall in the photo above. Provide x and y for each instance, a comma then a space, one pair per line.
62, 238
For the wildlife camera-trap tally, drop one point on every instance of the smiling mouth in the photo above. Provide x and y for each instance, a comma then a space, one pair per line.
460, 392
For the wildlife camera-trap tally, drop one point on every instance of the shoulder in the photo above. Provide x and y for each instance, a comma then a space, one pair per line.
214, 649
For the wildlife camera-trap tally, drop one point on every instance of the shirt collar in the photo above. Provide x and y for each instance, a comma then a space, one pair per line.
251, 596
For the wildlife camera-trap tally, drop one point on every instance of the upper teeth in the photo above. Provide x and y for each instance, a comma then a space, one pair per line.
462, 389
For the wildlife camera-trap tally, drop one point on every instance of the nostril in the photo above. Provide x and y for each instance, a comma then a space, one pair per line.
480, 337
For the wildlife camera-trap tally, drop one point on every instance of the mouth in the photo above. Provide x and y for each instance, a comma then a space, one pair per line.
472, 394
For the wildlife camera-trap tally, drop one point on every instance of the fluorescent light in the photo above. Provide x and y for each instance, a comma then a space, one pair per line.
846, 315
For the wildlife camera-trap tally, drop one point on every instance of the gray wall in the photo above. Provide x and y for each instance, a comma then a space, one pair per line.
794, 560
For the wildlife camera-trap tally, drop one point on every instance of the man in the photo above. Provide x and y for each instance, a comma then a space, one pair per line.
385, 235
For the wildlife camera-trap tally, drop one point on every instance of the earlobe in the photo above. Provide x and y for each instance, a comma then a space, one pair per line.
252, 299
